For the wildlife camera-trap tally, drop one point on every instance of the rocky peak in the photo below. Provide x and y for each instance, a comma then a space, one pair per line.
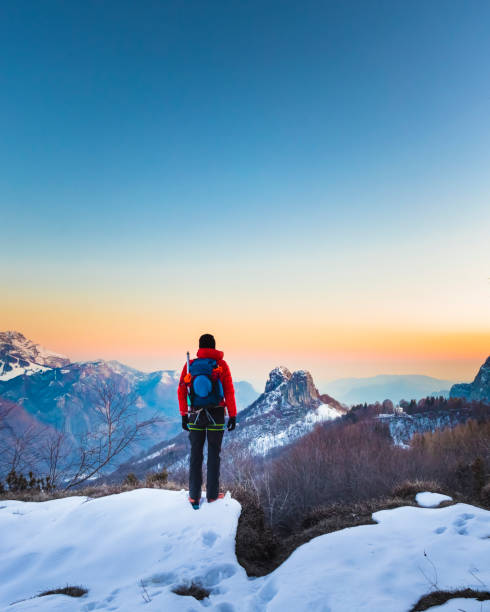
300, 389
276, 377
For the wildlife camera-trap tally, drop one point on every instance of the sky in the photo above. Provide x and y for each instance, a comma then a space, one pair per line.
309, 181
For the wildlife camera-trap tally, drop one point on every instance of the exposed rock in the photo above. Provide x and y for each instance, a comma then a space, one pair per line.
277, 376
300, 389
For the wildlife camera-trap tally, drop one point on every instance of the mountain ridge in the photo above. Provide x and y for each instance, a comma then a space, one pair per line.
479, 389
356, 390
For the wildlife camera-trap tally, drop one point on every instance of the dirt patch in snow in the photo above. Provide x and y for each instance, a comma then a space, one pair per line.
438, 598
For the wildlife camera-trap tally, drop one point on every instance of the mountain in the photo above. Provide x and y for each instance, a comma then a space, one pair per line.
479, 389
245, 394
290, 406
21, 438
64, 397
18, 355
387, 386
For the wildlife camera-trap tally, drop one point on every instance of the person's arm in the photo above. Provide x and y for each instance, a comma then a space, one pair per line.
182, 392
228, 389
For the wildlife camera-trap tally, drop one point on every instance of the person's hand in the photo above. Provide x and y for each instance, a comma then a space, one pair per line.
185, 421
231, 423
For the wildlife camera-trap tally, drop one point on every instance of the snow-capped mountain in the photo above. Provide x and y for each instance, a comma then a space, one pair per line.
64, 397
289, 407
18, 355
479, 389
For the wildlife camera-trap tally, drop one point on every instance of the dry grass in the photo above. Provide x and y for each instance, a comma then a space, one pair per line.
93, 492
438, 598
192, 590
409, 488
71, 591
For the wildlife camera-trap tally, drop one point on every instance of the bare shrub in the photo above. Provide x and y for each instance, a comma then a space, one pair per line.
157, 479
131, 480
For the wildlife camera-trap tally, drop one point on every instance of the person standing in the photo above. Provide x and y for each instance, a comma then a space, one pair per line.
205, 391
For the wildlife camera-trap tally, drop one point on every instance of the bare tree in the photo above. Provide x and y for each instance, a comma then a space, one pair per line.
19, 449
5, 410
56, 454
116, 429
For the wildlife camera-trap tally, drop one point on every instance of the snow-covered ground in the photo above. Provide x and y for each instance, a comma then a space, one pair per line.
143, 543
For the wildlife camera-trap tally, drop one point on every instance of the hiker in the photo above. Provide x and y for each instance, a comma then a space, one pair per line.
206, 383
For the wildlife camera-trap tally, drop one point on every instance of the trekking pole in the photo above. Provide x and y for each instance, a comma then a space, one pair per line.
187, 380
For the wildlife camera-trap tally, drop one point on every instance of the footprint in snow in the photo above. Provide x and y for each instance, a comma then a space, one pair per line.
460, 523
163, 578
215, 575
209, 538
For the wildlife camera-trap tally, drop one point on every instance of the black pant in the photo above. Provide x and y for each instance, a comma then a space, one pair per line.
201, 428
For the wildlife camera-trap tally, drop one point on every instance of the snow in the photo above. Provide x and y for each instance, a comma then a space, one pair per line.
431, 500
148, 538
18, 371
263, 443
324, 412
462, 604
156, 453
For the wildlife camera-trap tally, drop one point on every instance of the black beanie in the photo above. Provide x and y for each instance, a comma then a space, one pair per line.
207, 341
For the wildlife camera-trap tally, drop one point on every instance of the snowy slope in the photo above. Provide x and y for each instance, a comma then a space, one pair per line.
115, 544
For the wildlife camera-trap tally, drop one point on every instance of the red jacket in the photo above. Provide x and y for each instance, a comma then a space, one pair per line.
225, 377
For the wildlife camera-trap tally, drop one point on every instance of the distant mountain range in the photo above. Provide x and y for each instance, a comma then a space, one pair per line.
49, 390
58, 393
387, 386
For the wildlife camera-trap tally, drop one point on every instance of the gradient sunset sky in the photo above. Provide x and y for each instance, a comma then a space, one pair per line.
309, 181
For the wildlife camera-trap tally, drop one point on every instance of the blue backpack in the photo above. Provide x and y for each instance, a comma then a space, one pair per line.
204, 391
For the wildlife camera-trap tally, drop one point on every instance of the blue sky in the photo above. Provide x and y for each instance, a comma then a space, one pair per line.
331, 147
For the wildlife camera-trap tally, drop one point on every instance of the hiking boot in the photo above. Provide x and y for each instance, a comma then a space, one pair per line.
194, 503
213, 499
